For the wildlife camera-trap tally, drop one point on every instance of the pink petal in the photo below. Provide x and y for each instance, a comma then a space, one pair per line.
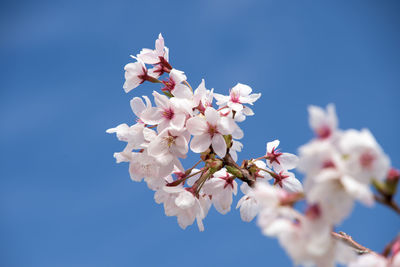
219, 145
200, 143
196, 126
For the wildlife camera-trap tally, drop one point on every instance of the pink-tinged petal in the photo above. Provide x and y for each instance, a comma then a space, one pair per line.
160, 43
252, 98
235, 106
178, 121
248, 208
237, 133
161, 100
137, 106
181, 145
177, 75
292, 185
131, 83
272, 145
182, 91
148, 56
157, 147
248, 111
173, 189
239, 117
185, 200
288, 161
221, 99
197, 125
147, 100
151, 116
200, 224
212, 116
357, 190
178, 165
219, 145
244, 89
226, 125
200, 143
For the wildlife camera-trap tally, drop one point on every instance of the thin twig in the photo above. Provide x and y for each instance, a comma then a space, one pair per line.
360, 249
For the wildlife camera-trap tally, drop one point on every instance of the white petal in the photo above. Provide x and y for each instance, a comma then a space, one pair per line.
185, 200
292, 185
200, 143
137, 105
288, 161
358, 190
178, 121
272, 145
196, 125
151, 116
212, 116
219, 145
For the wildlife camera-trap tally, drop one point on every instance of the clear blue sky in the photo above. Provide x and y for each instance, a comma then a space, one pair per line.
64, 201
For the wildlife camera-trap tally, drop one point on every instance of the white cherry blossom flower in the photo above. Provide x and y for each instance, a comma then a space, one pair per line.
286, 180
277, 160
308, 242
136, 136
364, 158
157, 57
169, 145
174, 85
182, 203
239, 95
248, 204
202, 97
370, 260
143, 165
220, 187
335, 193
135, 74
324, 123
273, 218
150, 56
209, 130
318, 155
168, 113
138, 106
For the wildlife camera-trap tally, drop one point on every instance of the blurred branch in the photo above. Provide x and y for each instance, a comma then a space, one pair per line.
360, 249
390, 203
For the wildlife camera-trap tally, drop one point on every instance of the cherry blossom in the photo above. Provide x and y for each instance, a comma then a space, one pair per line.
221, 186
239, 95
277, 160
138, 106
135, 74
324, 123
248, 204
157, 57
338, 165
364, 158
209, 130
202, 97
181, 202
169, 145
168, 113
174, 84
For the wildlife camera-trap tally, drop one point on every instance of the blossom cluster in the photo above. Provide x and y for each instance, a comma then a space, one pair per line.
338, 165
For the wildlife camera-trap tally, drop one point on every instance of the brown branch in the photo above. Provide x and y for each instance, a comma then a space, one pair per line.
360, 249
390, 203
247, 177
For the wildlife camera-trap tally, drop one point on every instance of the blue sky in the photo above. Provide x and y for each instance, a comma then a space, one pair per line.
64, 201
